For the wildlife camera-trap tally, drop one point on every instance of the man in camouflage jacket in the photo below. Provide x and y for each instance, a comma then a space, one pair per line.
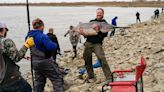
10, 77
74, 39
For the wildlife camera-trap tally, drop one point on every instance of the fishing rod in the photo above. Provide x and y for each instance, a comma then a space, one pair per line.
28, 20
28, 15
122, 27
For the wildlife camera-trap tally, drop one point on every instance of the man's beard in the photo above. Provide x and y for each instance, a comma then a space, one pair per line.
101, 17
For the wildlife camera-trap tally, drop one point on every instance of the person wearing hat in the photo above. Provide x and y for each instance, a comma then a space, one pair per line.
43, 62
10, 76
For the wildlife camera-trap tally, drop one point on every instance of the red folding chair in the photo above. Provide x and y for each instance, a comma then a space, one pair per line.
123, 83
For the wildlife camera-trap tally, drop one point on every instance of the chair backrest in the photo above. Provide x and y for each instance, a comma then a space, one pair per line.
140, 68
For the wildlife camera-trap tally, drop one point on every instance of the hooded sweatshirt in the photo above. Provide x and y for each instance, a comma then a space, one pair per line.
114, 21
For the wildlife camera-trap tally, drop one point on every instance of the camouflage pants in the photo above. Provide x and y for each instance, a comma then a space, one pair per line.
87, 55
50, 70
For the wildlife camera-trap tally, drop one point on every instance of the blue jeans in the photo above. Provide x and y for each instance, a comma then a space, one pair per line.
18, 86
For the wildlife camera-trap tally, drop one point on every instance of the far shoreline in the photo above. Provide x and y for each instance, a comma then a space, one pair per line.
101, 4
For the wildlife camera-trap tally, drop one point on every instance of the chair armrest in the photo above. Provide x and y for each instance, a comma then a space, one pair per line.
125, 83
119, 71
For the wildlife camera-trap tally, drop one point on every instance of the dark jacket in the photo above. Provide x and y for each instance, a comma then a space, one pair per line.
54, 39
138, 15
97, 38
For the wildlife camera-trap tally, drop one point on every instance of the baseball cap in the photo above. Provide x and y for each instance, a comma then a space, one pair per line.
3, 25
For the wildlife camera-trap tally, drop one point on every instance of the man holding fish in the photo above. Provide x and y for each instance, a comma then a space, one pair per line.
94, 44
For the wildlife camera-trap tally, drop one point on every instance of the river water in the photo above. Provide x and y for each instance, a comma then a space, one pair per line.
60, 18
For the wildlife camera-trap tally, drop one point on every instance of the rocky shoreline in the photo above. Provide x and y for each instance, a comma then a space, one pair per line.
122, 51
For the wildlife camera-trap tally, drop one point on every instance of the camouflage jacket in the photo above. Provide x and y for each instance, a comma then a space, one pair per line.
9, 48
9, 55
74, 37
